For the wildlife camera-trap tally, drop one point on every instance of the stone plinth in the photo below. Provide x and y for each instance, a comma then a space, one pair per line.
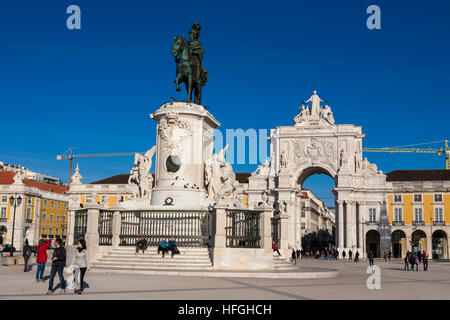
184, 142
242, 259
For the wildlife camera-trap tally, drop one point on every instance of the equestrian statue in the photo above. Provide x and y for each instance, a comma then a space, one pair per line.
188, 57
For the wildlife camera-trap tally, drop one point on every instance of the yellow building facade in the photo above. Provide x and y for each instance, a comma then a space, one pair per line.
54, 219
418, 212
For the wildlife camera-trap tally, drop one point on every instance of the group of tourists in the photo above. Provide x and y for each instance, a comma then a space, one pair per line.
80, 262
415, 259
163, 246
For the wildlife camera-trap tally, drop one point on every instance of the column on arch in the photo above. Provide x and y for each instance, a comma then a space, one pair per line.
340, 222
350, 224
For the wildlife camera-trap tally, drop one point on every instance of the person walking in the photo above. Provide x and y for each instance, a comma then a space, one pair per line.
385, 255
417, 261
141, 245
425, 260
343, 254
274, 248
406, 260
350, 254
58, 263
27, 251
41, 259
389, 255
81, 260
336, 257
294, 256
357, 256
412, 261
370, 256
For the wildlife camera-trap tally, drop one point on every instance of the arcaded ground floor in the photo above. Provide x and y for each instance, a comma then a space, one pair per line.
350, 284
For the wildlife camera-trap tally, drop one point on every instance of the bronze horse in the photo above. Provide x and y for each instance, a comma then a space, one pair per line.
189, 69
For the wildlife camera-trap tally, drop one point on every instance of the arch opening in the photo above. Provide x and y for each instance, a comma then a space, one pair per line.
316, 209
440, 245
398, 243
373, 243
418, 241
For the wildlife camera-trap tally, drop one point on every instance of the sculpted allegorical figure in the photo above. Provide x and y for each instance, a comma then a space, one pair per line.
315, 104
328, 114
283, 160
370, 168
220, 179
141, 179
262, 170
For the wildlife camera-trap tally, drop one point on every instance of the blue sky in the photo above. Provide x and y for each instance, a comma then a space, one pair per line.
94, 88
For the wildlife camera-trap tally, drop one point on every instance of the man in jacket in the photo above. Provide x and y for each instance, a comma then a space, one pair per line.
58, 263
41, 259
357, 256
26, 255
141, 245
370, 256
425, 260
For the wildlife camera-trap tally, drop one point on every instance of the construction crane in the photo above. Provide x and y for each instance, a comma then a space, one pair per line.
71, 156
410, 149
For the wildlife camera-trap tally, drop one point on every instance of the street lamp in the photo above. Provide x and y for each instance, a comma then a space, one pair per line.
14, 202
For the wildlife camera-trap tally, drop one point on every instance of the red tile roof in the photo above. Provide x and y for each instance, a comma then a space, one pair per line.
7, 177
241, 177
418, 175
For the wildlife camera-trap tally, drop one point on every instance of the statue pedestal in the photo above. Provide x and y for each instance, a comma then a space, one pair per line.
184, 142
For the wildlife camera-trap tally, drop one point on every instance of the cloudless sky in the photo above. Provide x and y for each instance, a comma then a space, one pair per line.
94, 88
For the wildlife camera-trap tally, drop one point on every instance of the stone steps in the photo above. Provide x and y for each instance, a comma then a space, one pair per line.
280, 263
126, 259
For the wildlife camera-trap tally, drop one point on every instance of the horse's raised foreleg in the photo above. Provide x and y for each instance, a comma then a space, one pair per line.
177, 81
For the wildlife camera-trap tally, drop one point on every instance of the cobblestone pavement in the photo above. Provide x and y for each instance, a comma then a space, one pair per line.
350, 284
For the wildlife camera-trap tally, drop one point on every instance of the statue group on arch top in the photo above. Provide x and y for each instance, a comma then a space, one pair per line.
314, 111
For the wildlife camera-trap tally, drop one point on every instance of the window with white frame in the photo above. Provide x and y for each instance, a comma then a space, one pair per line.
59, 205
64, 219
398, 216
4, 199
418, 214
50, 232
438, 198
89, 199
45, 203
28, 213
57, 232
57, 218
51, 204
397, 198
438, 215
62, 232
372, 215
51, 218
43, 230
417, 198
3, 213
44, 217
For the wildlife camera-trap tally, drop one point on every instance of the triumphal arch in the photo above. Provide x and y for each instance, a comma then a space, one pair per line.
315, 144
